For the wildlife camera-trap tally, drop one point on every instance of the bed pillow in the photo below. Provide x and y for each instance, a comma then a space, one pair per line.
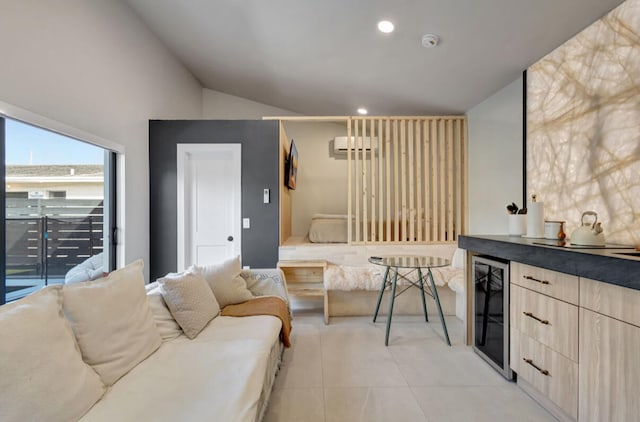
112, 322
225, 281
43, 375
190, 301
168, 328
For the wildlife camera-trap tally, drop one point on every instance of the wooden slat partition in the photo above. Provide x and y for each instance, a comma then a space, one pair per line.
410, 185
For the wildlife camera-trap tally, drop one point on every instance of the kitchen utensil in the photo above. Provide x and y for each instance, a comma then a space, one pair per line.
588, 234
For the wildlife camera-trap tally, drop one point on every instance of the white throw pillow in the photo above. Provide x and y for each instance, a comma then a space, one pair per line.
168, 328
225, 281
112, 321
190, 301
42, 375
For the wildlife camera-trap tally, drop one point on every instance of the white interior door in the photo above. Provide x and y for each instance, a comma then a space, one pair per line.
209, 202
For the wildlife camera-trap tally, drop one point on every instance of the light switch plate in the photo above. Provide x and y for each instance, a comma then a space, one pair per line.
265, 197
246, 223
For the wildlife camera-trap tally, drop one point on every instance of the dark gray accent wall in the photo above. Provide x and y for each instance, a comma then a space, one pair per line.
260, 142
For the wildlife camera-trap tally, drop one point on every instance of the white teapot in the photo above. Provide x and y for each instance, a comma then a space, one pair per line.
588, 234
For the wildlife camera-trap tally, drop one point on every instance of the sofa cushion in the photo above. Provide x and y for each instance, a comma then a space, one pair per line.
225, 281
43, 377
168, 328
112, 322
217, 376
190, 300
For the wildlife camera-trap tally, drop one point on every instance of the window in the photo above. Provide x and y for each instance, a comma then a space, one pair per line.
58, 209
56, 194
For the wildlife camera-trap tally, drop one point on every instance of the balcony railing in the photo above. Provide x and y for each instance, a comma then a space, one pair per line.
45, 238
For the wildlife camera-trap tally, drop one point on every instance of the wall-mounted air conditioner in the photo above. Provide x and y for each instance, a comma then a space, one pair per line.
340, 144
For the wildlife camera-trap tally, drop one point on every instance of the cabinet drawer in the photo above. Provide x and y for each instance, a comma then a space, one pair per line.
608, 299
552, 283
550, 321
547, 371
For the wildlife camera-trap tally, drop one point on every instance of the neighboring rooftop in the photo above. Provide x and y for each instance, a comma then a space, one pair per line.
80, 170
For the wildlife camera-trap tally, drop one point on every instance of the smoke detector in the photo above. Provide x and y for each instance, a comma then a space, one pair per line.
430, 40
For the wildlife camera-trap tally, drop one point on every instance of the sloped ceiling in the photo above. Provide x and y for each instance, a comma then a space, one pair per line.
327, 57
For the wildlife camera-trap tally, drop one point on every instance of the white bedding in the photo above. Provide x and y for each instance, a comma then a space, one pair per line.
347, 278
177, 382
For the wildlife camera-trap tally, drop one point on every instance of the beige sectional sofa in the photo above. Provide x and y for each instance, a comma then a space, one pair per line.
111, 350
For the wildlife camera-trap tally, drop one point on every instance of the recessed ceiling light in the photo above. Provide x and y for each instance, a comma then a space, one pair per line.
385, 26
362, 111
430, 40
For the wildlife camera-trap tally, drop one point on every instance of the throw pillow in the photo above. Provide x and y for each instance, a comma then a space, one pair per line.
112, 322
190, 301
225, 281
168, 328
43, 375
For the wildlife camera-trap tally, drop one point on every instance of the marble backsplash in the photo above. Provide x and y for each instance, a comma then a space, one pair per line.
583, 126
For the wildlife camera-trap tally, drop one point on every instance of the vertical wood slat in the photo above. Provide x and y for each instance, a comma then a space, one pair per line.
442, 181
411, 177
396, 196
450, 179
458, 187
403, 181
372, 186
380, 180
420, 214
387, 160
427, 199
363, 177
350, 183
434, 180
358, 181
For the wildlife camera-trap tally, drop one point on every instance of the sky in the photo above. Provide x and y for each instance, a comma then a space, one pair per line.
26, 144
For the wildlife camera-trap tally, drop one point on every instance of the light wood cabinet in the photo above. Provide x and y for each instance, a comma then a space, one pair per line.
550, 321
544, 337
549, 372
306, 278
609, 369
575, 344
551, 283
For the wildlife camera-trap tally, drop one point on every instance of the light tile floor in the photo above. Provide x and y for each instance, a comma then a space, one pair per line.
343, 372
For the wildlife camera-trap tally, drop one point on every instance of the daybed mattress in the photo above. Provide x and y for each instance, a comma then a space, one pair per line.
219, 375
328, 228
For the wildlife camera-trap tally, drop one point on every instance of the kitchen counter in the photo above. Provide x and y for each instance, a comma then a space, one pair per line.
599, 264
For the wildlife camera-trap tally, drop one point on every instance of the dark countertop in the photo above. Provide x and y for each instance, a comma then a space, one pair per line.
598, 264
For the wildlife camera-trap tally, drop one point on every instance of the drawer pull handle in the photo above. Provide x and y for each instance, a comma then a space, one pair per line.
528, 277
542, 371
541, 321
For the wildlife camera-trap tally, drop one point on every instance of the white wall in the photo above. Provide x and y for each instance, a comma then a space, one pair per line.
221, 106
321, 185
94, 67
495, 159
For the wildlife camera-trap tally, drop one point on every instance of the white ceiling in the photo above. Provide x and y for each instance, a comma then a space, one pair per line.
326, 57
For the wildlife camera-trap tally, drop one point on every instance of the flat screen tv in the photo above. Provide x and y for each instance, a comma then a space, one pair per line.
291, 167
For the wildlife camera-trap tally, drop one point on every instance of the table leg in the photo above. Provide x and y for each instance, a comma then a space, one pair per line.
435, 296
392, 299
384, 284
424, 302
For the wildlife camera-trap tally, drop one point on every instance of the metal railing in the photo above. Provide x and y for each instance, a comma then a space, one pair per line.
45, 238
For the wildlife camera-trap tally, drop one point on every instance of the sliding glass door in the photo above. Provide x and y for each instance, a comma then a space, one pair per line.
58, 210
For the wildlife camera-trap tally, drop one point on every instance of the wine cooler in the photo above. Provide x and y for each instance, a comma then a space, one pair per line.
491, 312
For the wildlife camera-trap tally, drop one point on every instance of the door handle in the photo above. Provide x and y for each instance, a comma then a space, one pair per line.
230, 238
